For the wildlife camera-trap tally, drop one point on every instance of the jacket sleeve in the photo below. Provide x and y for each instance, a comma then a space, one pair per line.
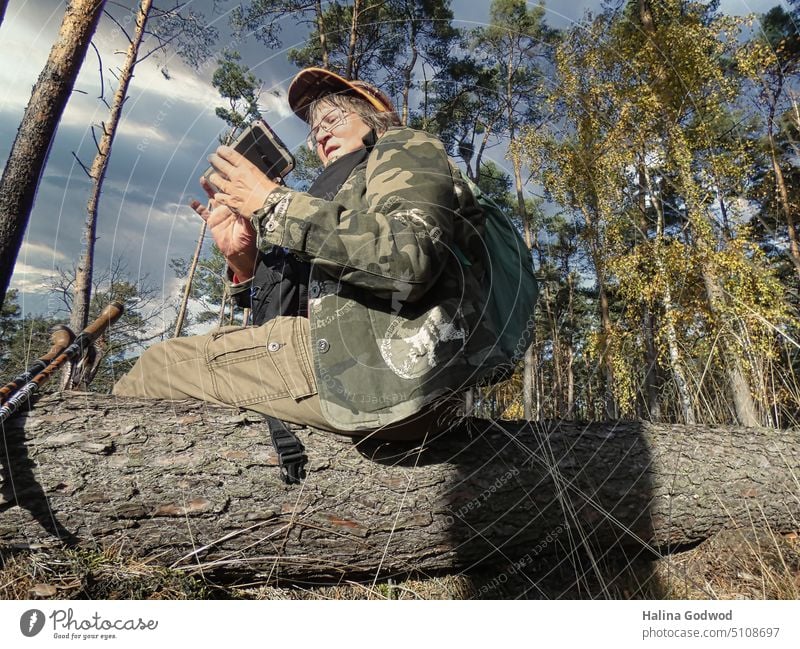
397, 240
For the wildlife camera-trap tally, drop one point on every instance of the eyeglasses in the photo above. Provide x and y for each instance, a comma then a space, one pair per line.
333, 119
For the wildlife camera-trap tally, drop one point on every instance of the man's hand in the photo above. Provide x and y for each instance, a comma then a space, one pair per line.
232, 232
243, 187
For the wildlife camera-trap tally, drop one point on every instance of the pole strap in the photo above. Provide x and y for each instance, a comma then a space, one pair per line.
291, 452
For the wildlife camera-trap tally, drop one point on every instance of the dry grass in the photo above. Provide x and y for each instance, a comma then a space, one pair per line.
86, 574
738, 564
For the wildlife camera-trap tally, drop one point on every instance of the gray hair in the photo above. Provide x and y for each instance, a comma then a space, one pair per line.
347, 103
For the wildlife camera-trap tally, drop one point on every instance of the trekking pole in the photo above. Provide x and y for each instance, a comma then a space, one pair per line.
60, 338
78, 347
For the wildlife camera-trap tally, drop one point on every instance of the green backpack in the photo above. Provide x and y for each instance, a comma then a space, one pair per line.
510, 284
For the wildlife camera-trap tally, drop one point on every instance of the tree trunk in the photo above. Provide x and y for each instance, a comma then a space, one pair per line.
596, 250
29, 152
608, 364
323, 35
786, 208
740, 390
676, 365
351, 69
82, 294
196, 487
529, 407
651, 372
522, 212
408, 71
187, 291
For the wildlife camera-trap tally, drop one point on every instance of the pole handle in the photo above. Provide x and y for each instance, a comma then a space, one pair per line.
60, 338
108, 317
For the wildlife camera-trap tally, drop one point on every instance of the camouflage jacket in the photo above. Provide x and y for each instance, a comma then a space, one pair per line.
395, 299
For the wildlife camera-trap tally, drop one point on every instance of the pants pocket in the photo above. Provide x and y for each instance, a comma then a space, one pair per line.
253, 364
288, 348
240, 370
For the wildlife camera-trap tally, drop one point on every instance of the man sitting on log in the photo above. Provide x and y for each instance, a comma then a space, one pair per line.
387, 241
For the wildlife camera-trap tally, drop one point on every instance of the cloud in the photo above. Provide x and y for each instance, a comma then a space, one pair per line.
31, 279
40, 250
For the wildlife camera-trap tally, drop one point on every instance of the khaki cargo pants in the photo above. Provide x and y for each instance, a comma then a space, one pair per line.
267, 369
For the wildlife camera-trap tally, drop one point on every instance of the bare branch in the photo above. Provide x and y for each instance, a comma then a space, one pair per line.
83, 166
159, 47
99, 71
116, 22
96, 143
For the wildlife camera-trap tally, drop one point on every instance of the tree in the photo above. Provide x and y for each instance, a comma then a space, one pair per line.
29, 152
171, 28
9, 314
79, 316
421, 34
513, 42
206, 286
22, 339
462, 106
147, 317
262, 18
645, 152
239, 86
577, 159
349, 39
689, 137
769, 61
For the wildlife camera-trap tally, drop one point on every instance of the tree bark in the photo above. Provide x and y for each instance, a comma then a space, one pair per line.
29, 152
196, 487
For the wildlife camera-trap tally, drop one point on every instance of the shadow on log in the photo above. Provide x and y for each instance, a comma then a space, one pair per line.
197, 488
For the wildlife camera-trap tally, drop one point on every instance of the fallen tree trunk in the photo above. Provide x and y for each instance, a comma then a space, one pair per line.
197, 487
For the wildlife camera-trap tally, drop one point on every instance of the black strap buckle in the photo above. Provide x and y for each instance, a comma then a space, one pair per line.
291, 452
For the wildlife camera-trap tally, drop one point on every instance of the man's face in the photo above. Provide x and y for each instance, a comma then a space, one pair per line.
336, 132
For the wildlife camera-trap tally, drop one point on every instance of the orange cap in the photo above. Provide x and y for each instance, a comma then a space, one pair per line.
312, 83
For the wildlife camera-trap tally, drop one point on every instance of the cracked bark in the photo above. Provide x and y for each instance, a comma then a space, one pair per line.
196, 487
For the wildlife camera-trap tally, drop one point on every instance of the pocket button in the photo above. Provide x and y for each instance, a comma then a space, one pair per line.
323, 345
273, 346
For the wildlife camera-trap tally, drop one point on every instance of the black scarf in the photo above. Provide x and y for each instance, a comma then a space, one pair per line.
280, 284
328, 183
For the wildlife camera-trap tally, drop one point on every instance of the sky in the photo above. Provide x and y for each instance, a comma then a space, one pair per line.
168, 128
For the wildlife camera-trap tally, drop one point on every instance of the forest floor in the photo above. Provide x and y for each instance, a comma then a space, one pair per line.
736, 564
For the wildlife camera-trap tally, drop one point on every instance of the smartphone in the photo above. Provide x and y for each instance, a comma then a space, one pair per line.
261, 146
